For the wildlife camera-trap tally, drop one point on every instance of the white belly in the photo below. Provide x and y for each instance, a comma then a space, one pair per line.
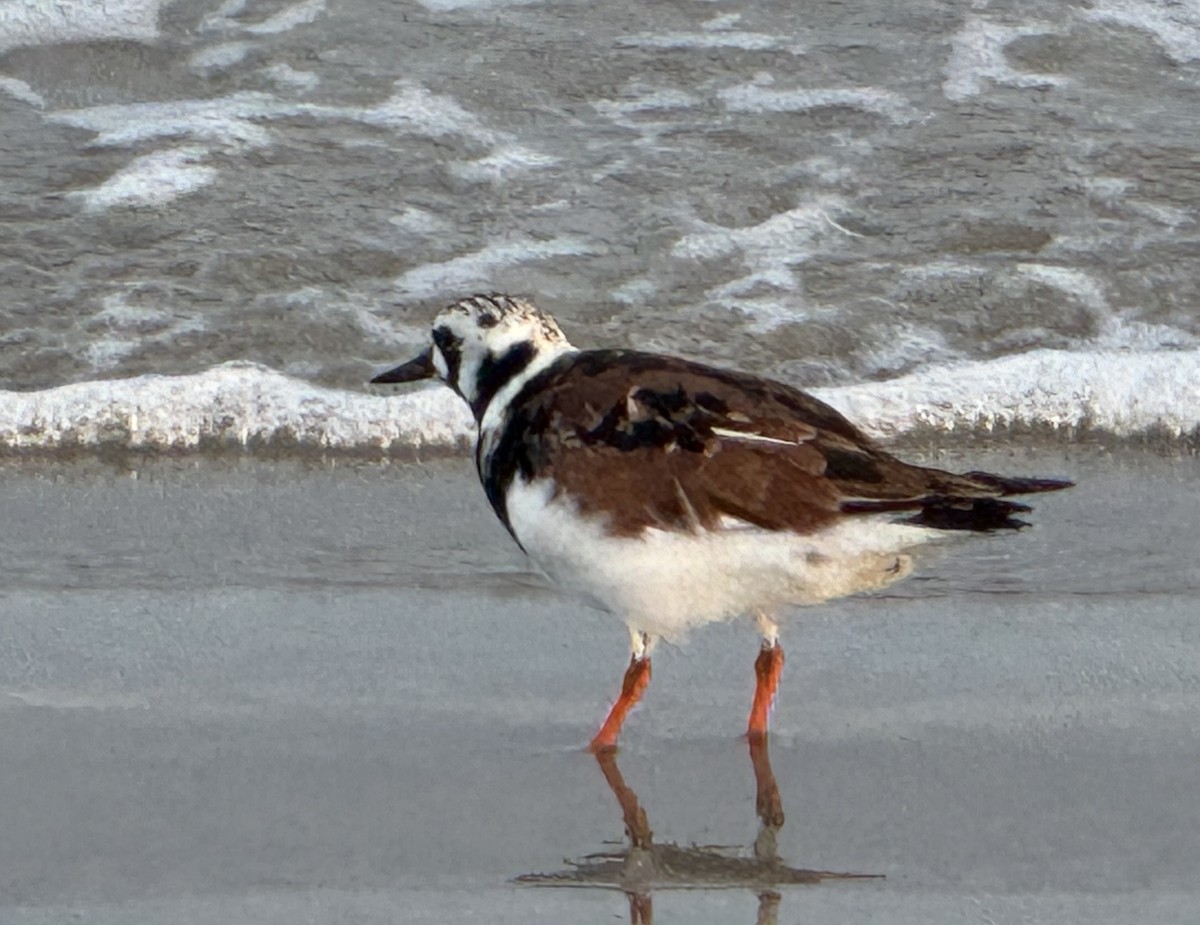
663, 582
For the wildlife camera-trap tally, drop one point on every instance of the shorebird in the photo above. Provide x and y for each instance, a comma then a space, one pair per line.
673, 494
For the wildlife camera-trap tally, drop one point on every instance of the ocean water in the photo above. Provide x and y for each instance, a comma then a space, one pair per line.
960, 215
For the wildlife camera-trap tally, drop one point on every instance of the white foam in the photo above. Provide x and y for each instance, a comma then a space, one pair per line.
299, 14
907, 345
234, 120
634, 290
128, 327
757, 97
358, 311
476, 270
106, 351
503, 164
1171, 217
722, 22
1120, 392
222, 17
649, 112
1176, 26
131, 327
1071, 281
718, 32
287, 76
977, 55
415, 109
746, 41
766, 312
1109, 191
28, 22
768, 250
944, 268
220, 57
226, 120
20, 90
236, 123
236, 403
445, 6
1121, 333
119, 313
1115, 328
152, 180
643, 102
773, 242
420, 221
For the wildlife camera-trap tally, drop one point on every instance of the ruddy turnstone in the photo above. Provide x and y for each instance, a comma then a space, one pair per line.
673, 494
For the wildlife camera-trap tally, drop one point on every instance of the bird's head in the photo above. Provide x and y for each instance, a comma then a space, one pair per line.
482, 343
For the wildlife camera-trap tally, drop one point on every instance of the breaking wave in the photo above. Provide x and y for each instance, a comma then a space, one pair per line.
245, 406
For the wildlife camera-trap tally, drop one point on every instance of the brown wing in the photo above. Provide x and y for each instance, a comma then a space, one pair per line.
651, 441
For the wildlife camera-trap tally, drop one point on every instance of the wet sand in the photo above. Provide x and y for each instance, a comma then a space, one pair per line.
272, 692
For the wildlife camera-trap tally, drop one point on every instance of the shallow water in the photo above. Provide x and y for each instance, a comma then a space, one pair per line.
827, 194
256, 693
187, 523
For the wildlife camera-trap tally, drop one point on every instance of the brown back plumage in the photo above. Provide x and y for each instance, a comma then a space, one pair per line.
645, 440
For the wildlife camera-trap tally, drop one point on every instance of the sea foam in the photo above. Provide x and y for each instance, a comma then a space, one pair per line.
978, 55
1116, 392
1123, 393
236, 404
66, 21
153, 179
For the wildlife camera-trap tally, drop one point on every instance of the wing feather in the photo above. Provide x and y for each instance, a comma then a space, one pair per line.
650, 441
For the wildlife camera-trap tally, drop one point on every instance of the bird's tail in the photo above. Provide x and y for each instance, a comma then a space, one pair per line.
1007, 485
972, 501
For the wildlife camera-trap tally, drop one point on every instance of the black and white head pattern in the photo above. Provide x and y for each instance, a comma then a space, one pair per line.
484, 342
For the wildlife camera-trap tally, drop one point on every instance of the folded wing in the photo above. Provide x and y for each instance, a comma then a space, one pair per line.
649, 441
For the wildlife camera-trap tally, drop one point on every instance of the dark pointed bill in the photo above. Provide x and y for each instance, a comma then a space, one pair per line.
414, 370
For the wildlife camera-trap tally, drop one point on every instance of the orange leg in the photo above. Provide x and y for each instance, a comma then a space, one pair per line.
767, 801
637, 826
641, 909
637, 676
767, 668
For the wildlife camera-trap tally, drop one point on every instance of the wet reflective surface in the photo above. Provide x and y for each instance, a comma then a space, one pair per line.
646, 865
249, 523
248, 726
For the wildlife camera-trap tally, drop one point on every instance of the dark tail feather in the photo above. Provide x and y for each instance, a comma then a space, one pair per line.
946, 512
980, 514
1011, 486
952, 504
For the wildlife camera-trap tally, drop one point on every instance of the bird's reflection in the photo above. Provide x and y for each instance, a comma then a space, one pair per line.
645, 865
